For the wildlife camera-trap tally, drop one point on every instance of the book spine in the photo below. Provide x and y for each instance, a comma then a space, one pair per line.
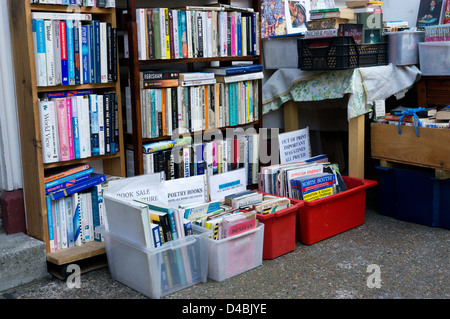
70, 52
109, 53
114, 55
97, 54
103, 54
107, 121
49, 133
69, 217
85, 54
63, 129
64, 56
40, 53
94, 133
51, 236
63, 222
77, 51
70, 127
49, 53
101, 125
75, 128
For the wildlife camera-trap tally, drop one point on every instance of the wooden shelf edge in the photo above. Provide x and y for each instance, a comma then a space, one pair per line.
83, 160
89, 86
76, 253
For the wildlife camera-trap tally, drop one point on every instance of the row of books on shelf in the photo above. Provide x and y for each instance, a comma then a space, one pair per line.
420, 117
84, 3
165, 33
198, 107
74, 206
78, 124
308, 180
73, 49
182, 160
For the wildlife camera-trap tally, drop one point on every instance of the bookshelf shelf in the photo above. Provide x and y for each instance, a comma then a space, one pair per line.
135, 139
94, 86
28, 93
83, 160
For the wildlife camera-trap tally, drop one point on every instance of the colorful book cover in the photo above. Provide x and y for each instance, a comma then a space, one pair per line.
70, 127
49, 131
94, 180
64, 61
78, 172
85, 59
63, 129
50, 213
94, 128
70, 52
66, 184
183, 33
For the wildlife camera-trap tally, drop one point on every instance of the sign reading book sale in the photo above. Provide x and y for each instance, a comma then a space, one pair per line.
294, 146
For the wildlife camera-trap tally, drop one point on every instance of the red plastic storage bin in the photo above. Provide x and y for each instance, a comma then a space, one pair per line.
334, 214
279, 230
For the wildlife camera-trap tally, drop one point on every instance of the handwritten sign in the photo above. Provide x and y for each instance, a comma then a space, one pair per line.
224, 184
294, 146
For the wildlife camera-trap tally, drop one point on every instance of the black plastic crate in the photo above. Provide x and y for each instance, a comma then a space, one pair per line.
340, 53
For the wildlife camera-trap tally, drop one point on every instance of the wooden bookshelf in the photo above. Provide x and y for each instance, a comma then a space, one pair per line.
134, 65
28, 93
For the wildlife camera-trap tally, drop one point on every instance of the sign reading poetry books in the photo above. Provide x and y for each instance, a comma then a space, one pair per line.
294, 146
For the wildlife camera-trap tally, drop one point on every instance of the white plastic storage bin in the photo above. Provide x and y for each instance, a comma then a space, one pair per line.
159, 271
280, 52
435, 58
404, 47
234, 255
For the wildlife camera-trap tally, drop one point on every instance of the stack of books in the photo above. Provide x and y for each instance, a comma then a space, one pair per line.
84, 3
223, 219
196, 32
182, 159
196, 101
370, 14
332, 22
426, 117
74, 206
78, 124
73, 49
307, 180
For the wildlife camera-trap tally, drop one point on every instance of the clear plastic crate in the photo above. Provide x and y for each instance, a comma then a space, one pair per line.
404, 47
234, 255
156, 272
434, 58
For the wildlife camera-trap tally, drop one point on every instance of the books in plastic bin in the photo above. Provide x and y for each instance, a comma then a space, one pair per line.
313, 187
237, 223
130, 220
272, 204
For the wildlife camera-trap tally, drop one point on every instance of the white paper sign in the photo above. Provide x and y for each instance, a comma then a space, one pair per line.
185, 190
224, 184
146, 187
294, 146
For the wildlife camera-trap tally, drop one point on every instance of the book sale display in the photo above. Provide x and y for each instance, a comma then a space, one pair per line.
161, 171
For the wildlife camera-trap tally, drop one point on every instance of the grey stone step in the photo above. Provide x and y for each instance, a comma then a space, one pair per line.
22, 260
